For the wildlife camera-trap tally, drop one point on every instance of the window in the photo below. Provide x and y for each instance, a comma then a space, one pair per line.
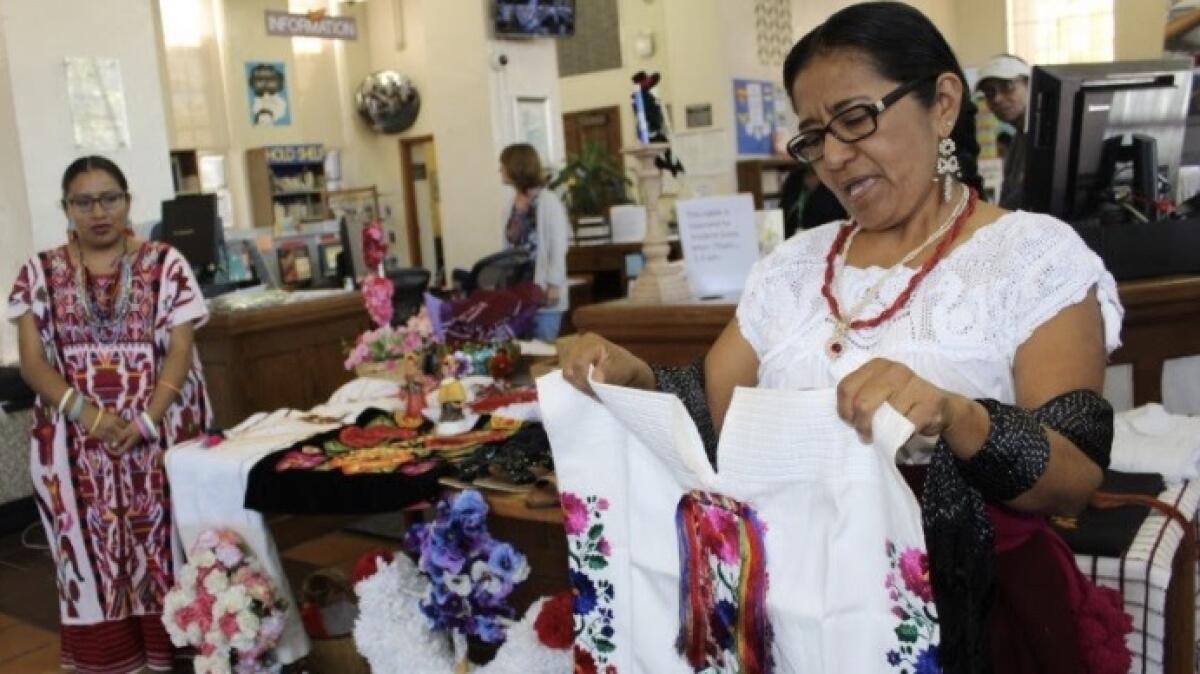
1063, 31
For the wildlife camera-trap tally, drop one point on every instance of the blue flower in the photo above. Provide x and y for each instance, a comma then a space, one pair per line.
893, 658
607, 631
447, 558
415, 538
470, 510
927, 661
488, 629
585, 593
507, 564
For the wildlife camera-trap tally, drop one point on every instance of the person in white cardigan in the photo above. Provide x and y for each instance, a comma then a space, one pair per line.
536, 221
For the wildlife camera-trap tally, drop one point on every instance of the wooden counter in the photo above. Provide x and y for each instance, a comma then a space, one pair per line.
603, 265
268, 358
1162, 321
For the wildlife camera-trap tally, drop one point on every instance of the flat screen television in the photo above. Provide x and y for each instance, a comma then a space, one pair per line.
1075, 111
534, 18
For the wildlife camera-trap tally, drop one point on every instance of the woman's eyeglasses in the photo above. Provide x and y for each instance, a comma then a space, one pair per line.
849, 126
109, 201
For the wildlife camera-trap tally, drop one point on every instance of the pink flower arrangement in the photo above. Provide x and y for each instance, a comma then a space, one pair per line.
224, 605
377, 294
374, 244
392, 344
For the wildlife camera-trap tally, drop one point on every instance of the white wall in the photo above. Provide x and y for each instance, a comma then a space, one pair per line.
466, 105
35, 120
37, 39
532, 72
14, 201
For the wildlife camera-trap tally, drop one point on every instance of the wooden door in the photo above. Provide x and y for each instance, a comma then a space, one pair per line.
601, 126
422, 205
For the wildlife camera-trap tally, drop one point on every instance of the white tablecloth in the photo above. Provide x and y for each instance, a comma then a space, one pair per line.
208, 486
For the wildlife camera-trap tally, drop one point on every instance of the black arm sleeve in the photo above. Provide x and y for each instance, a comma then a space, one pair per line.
1017, 449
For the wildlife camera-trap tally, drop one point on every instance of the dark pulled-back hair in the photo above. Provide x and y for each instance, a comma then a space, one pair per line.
93, 163
903, 45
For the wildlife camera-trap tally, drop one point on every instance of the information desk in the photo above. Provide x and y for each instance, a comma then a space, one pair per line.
1162, 321
287, 356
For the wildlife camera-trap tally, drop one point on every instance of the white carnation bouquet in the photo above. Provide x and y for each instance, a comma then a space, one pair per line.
226, 607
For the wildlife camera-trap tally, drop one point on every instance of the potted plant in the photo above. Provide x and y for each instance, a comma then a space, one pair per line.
593, 181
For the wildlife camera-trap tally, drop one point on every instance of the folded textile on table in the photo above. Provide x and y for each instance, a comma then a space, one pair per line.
804, 553
1151, 440
208, 488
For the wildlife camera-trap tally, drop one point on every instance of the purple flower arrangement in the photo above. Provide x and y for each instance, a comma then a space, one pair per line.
471, 575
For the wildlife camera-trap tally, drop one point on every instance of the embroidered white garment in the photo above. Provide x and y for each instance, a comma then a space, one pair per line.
846, 578
962, 326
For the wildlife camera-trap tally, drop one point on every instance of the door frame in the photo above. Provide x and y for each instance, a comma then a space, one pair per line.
412, 223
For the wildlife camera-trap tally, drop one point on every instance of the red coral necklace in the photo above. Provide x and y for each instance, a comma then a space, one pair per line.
841, 245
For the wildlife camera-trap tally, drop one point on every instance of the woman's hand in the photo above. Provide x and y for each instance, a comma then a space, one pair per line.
127, 439
552, 295
928, 407
614, 365
109, 430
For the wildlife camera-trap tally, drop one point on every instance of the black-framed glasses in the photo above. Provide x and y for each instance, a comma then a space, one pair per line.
109, 201
849, 126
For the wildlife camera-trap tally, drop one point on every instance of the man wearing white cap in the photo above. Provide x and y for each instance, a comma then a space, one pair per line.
1004, 83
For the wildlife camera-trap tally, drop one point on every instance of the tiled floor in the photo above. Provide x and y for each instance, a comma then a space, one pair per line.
29, 612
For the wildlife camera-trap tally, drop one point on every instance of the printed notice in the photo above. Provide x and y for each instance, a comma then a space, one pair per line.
720, 242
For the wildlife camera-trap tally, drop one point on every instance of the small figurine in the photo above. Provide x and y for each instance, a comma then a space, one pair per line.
500, 366
414, 386
653, 126
451, 394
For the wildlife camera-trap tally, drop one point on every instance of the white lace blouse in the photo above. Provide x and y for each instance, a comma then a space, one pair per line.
960, 329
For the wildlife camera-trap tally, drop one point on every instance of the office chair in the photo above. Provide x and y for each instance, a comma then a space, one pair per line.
409, 292
496, 271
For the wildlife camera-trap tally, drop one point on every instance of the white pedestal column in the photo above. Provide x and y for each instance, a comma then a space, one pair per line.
660, 281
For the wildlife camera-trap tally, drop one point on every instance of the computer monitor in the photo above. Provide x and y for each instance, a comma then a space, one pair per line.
239, 263
1074, 109
190, 225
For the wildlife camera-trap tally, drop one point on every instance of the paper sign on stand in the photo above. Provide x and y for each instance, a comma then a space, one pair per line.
720, 242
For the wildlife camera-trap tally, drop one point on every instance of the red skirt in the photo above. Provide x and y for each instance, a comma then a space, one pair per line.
117, 646
1046, 616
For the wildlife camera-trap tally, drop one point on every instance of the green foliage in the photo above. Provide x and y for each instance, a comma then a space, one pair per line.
593, 181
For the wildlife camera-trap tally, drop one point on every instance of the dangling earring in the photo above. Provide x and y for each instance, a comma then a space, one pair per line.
947, 166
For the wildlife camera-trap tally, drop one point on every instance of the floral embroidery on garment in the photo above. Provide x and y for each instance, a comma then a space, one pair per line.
723, 625
589, 554
911, 596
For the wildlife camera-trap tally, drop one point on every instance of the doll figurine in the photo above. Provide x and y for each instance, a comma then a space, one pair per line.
451, 394
414, 386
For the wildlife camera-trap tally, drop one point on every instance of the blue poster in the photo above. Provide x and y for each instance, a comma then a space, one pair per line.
266, 87
754, 113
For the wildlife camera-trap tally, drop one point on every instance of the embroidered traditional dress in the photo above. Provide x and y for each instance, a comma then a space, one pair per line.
108, 519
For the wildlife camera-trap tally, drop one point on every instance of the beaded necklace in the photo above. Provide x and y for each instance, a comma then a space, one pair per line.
106, 325
845, 323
